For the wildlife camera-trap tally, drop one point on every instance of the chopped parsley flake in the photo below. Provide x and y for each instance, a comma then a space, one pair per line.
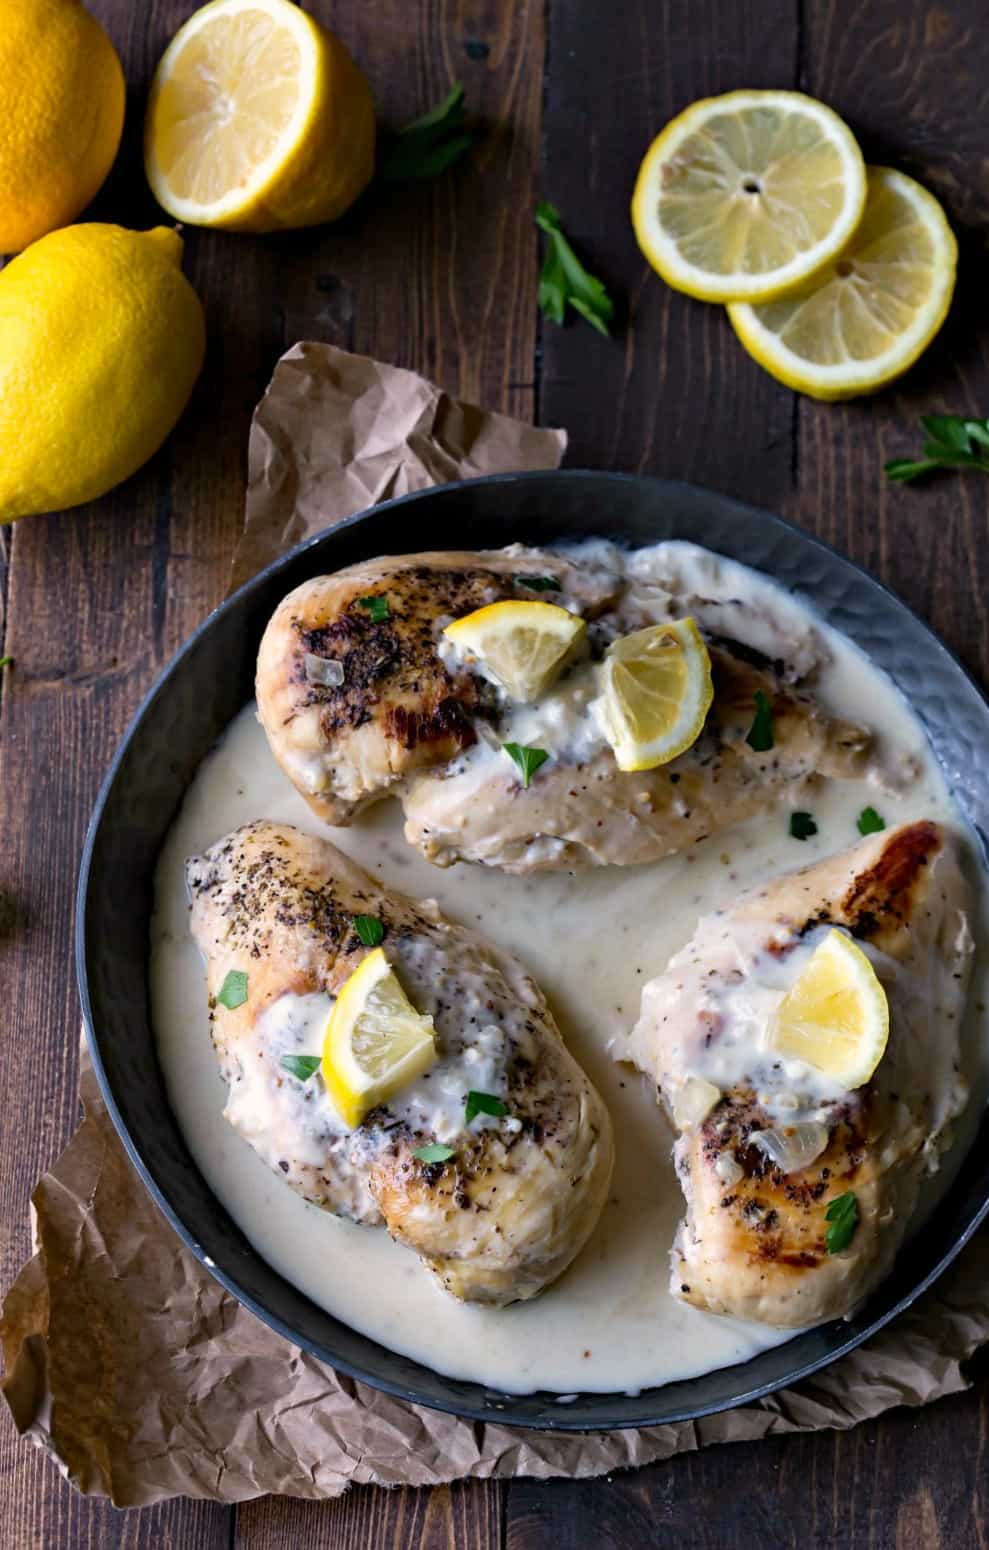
483, 1103
802, 826
760, 736
369, 929
843, 1214
527, 759
302, 1066
870, 822
433, 1153
233, 991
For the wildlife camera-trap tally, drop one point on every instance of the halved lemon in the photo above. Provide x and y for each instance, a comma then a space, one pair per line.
745, 195
836, 1016
376, 1042
868, 315
656, 692
523, 644
258, 119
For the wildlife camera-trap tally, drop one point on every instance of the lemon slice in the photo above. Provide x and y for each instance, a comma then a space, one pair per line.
835, 1016
868, 315
524, 645
656, 692
376, 1042
258, 119
745, 195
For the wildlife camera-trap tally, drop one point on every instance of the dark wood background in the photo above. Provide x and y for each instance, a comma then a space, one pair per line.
443, 278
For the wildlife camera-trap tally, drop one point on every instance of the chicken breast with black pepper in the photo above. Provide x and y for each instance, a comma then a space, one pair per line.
517, 1199
767, 1144
362, 696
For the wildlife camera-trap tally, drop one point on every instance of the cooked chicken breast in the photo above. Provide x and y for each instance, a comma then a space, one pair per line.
752, 1242
361, 696
519, 1198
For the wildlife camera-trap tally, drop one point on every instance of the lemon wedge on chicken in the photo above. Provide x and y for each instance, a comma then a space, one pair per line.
523, 645
743, 196
376, 1042
258, 119
870, 313
835, 1016
656, 692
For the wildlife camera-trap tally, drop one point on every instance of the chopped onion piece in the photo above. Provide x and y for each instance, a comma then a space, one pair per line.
728, 1169
320, 670
694, 1102
793, 1148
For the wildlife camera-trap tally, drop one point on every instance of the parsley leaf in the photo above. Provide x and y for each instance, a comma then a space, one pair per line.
483, 1103
233, 991
952, 442
870, 822
6, 661
369, 929
430, 144
843, 1214
433, 1153
760, 735
563, 280
527, 759
377, 607
538, 583
302, 1066
802, 826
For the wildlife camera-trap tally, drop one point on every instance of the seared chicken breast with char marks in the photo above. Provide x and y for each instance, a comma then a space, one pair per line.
753, 1241
508, 1212
361, 696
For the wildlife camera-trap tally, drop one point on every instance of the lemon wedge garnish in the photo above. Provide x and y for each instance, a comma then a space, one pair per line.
258, 119
836, 1016
745, 195
866, 317
656, 692
524, 645
375, 1042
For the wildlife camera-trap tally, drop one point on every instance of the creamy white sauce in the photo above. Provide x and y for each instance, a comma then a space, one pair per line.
591, 940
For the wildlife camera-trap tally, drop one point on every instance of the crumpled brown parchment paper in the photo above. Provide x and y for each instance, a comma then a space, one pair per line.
126, 1361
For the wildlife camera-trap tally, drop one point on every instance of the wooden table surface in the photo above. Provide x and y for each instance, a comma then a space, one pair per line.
443, 278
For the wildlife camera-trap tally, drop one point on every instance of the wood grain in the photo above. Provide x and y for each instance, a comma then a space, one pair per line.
442, 278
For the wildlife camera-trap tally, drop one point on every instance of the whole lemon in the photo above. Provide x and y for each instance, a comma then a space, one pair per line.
61, 114
101, 340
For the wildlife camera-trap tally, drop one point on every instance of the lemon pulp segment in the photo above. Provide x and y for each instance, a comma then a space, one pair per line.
836, 1016
524, 645
375, 1042
743, 196
656, 693
864, 319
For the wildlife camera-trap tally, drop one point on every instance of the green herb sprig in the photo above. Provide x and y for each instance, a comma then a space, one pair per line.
760, 735
435, 1152
302, 1066
870, 822
527, 759
233, 991
563, 280
482, 1103
430, 144
6, 661
843, 1214
538, 583
952, 442
369, 929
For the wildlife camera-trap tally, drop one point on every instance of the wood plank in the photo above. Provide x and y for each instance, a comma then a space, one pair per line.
912, 81
463, 1516
670, 393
